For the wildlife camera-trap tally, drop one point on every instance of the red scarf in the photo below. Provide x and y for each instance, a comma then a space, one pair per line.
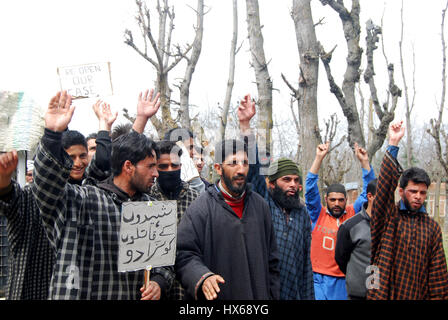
237, 205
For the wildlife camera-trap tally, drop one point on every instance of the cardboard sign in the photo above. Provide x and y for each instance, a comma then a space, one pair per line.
87, 80
148, 235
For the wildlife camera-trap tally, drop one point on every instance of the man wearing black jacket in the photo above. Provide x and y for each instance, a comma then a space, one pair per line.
226, 247
352, 252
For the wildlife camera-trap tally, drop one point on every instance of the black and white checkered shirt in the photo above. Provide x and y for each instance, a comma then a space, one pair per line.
31, 257
83, 225
186, 196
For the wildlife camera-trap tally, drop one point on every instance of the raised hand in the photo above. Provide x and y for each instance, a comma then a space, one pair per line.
396, 132
210, 287
322, 150
8, 164
59, 112
362, 156
104, 114
246, 109
147, 106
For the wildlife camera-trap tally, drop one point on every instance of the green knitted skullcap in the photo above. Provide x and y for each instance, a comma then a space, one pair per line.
282, 167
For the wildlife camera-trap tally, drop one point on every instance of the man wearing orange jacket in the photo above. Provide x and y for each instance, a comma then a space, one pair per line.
329, 281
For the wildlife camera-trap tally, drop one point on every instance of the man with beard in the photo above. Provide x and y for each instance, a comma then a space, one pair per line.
407, 248
83, 222
169, 186
289, 216
329, 280
226, 246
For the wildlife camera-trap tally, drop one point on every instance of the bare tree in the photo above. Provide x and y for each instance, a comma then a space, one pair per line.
307, 124
263, 80
338, 161
386, 111
346, 95
437, 131
230, 81
167, 56
184, 114
409, 105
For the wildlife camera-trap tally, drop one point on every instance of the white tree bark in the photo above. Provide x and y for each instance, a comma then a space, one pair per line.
263, 80
191, 65
231, 79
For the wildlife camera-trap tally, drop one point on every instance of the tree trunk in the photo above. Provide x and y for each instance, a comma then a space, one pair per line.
346, 97
165, 97
263, 80
307, 92
437, 216
406, 96
191, 65
230, 81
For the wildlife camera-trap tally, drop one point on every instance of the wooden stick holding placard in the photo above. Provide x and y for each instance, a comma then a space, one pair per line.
147, 277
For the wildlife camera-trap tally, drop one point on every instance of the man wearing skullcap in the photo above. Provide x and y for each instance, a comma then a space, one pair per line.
329, 280
289, 215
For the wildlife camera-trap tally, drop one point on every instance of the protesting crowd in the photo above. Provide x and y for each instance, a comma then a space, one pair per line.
248, 235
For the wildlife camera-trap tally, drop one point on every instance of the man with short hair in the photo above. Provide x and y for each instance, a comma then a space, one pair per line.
289, 216
91, 145
198, 159
32, 257
83, 222
407, 253
352, 252
170, 186
226, 245
329, 281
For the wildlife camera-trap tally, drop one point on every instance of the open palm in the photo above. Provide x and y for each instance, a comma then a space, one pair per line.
59, 112
148, 105
246, 109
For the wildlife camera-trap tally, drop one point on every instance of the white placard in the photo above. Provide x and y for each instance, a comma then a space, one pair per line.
188, 171
87, 80
148, 235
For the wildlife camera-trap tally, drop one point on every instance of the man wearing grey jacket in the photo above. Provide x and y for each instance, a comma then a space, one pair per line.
352, 252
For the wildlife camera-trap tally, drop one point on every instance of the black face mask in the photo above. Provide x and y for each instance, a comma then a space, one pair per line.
170, 182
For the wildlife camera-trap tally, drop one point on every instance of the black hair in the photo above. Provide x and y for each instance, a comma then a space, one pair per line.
93, 135
416, 175
337, 187
178, 134
119, 130
166, 147
371, 187
73, 138
228, 147
131, 146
